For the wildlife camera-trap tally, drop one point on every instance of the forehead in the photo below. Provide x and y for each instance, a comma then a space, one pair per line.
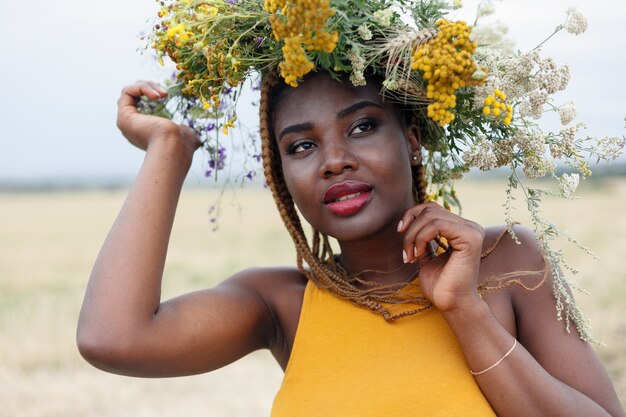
321, 96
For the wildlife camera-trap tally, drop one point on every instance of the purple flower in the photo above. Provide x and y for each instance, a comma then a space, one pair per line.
217, 162
250, 175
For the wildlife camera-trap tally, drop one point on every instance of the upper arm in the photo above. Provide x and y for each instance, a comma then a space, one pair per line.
561, 353
197, 332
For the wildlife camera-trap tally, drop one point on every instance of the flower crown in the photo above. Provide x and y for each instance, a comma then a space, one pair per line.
477, 97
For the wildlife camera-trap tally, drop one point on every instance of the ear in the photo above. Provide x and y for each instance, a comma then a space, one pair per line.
413, 137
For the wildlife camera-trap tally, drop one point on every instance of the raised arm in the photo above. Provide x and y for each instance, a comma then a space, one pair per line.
540, 369
123, 326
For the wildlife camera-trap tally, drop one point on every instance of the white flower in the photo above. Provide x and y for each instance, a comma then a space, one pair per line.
566, 146
536, 166
383, 17
479, 74
358, 66
567, 113
488, 34
364, 32
568, 184
481, 155
536, 101
485, 9
576, 23
390, 84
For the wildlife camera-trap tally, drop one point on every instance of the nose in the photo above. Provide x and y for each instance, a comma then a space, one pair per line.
337, 158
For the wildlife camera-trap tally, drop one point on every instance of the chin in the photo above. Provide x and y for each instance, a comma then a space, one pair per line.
358, 227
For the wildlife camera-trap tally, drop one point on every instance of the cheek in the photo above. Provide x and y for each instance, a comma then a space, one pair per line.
396, 166
298, 187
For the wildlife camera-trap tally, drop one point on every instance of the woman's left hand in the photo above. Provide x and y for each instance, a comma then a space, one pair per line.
449, 280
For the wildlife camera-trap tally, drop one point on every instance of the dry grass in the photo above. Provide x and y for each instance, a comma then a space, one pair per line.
48, 242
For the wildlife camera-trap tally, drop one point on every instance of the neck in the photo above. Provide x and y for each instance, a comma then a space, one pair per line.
377, 259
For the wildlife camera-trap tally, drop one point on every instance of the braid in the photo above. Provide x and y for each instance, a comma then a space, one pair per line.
419, 184
322, 268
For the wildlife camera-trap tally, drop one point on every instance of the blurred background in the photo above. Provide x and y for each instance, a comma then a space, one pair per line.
64, 172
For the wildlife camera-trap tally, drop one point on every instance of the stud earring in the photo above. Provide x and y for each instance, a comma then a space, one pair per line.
414, 158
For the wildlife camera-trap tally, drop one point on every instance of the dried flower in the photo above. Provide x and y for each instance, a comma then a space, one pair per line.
576, 23
364, 32
568, 183
384, 17
567, 113
485, 9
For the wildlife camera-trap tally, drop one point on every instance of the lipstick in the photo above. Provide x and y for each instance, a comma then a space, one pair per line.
347, 198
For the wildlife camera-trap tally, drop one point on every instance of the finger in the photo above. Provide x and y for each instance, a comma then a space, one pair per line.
132, 92
411, 214
412, 221
433, 222
417, 243
158, 88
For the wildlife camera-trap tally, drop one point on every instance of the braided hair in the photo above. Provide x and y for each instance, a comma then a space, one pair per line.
316, 260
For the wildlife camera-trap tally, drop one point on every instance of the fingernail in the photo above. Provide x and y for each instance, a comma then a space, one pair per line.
400, 225
404, 257
415, 251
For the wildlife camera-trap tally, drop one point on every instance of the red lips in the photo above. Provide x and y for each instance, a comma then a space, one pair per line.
347, 198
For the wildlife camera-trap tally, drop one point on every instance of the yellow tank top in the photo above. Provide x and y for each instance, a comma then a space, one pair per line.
348, 362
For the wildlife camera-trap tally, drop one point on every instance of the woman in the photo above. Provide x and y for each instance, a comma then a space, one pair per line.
398, 323
347, 158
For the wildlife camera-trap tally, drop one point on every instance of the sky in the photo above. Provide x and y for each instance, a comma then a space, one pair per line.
65, 62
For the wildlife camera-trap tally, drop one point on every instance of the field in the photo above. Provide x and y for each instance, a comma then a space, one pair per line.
49, 240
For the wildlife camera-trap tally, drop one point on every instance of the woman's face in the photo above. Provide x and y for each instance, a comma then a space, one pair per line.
346, 157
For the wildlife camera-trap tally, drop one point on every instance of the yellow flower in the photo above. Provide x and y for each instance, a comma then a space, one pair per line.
300, 24
229, 125
447, 65
163, 12
495, 105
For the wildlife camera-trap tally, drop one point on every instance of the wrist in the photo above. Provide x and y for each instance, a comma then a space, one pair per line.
171, 149
470, 311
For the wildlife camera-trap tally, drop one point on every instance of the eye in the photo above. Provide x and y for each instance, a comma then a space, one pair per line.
362, 126
300, 146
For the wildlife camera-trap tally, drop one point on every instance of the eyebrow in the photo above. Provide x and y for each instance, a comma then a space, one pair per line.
357, 106
295, 128
341, 114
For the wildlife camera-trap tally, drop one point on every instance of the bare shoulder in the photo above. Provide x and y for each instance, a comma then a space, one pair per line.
506, 252
271, 284
281, 290
521, 268
507, 260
